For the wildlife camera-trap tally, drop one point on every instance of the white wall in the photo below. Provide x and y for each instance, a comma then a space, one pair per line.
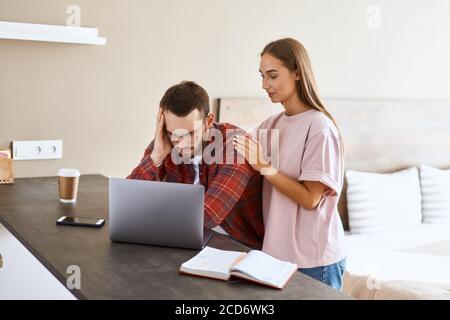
112, 92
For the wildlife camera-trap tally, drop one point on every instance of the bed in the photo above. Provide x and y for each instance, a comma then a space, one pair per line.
382, 136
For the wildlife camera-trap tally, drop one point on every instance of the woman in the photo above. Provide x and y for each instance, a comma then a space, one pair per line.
300, 194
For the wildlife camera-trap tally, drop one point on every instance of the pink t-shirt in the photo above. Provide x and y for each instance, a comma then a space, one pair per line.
309, 150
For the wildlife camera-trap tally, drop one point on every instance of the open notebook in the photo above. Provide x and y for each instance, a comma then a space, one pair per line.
255, 266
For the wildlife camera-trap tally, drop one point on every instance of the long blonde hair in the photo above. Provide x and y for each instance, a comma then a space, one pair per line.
295, 57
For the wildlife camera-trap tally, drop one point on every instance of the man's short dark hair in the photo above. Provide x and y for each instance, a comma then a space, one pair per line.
181, 99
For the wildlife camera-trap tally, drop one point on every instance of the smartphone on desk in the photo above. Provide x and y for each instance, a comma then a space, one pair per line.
81, 221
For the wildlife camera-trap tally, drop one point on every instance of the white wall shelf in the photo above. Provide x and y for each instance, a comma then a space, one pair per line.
51, 33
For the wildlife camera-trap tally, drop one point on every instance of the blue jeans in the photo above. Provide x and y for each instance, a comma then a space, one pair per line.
331, 275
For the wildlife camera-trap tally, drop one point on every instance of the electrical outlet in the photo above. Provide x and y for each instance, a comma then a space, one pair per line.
37, 149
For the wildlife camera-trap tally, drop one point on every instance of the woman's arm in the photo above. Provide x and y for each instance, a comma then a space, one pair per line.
306, 193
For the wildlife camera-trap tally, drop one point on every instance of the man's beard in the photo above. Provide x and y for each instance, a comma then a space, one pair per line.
190, 152
185, 154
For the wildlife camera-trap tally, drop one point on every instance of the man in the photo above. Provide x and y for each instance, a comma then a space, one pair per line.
183, 151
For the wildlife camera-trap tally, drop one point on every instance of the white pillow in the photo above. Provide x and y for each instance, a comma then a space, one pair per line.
435, 185
380, 202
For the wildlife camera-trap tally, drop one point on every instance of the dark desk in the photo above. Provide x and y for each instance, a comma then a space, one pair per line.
109, 270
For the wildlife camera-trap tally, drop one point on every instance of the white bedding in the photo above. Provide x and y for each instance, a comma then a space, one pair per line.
400, 239
413, 255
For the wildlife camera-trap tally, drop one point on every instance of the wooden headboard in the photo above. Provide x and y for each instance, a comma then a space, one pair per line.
379, 135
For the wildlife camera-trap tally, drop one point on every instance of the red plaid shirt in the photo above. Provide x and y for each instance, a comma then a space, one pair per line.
232, 191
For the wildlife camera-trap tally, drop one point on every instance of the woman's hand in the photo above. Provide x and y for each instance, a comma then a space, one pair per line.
253, 153
306, 193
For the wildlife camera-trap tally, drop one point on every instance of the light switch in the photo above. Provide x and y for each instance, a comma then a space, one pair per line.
20, 152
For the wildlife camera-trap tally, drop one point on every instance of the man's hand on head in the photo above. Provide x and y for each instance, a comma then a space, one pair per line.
162, 146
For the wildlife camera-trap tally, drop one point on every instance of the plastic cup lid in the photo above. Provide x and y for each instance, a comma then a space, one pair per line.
68, 173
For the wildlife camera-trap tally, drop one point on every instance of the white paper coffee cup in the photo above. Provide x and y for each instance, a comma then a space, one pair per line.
68, 185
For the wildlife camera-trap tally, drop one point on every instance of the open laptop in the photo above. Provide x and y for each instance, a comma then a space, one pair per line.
157, 213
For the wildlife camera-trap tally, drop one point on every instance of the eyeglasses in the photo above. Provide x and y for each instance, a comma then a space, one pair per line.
175, 137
